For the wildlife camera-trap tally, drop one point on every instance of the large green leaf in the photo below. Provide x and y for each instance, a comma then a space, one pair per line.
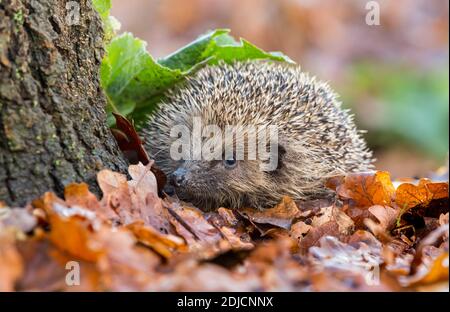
132, 78
217, 46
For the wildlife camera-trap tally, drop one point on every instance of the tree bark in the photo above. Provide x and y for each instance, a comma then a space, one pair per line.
52, 119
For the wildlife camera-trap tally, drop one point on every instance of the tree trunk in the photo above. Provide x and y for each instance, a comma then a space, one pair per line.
52, 120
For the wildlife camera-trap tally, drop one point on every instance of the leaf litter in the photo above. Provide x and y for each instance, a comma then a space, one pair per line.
133, 239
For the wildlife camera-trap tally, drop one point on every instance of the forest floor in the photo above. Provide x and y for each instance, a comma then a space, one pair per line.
377, 235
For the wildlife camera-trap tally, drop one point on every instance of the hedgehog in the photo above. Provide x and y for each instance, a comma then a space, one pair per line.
316, 138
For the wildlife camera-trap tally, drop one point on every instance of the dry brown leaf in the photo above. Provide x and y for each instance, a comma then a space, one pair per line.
11, 263
324, 215
81, 236
332, 253
71, 228
433, 238
433, 272
386, 216
231, 228
204, 240
235, 241
228, 216
136, 199
281, 215
133, 148
193, 220
409, 195
192, 276
333, 214
344, 222
78, 195
143, 181
316, 233
378, 230
299, 230
366, 189
45, 268
165, 245
116, 195
443, 219
357, 214
17, 218
277, 266
359, 261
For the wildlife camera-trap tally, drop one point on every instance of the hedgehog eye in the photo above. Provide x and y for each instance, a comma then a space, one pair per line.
230, 163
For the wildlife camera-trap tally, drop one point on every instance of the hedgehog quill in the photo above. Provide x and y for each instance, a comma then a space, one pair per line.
316, 138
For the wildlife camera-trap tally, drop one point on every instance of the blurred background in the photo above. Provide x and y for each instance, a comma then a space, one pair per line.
394, 76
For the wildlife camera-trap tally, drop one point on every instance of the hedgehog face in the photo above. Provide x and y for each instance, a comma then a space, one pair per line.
211, 184
229, 172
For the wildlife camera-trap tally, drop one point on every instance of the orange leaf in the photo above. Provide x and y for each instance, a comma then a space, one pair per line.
163, 244
367, 189
71, 231
11, 263
281, 215
435, 272
409, 195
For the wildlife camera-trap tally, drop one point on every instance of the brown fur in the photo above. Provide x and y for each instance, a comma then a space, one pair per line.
317, 138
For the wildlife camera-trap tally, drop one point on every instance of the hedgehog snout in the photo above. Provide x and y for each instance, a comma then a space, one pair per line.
178, 177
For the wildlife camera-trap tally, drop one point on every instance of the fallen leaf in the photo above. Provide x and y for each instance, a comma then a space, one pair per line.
45, 268
192, 219
277, 266
82, 237
386, 216
281, 215
165, 245
204, 240
17, 218
315, 234
78, 195
359, 260
136, 199
409, 195
192, 276
434, 272
235, 241
299, 230
11, 263
367, 189
71, 228
433, 238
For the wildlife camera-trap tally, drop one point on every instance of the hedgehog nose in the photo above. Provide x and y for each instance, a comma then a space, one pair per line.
169, 190
178, 177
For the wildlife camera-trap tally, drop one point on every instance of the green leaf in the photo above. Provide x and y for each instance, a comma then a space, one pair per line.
221, 50
110, 24
131, 78
103, 7
191, 54
217, 46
